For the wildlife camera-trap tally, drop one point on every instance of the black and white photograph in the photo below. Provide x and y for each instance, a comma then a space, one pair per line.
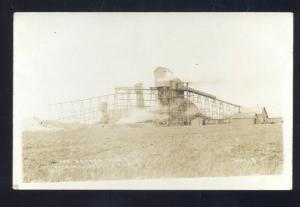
163, 100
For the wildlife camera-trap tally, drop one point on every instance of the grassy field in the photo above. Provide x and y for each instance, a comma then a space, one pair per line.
96, 152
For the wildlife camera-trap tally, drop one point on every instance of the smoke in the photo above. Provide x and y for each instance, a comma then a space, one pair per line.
142, 115
192, 110
137, 115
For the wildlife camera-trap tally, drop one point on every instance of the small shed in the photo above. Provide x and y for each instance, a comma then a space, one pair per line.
197, 122
250, 115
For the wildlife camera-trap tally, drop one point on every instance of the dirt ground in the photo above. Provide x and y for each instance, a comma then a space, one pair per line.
137, 151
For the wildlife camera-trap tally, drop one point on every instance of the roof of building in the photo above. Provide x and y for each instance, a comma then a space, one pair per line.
249, 112
275, 115
255, 109
243, 115
163, 69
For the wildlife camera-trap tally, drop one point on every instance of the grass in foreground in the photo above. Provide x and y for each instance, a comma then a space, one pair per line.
128, 152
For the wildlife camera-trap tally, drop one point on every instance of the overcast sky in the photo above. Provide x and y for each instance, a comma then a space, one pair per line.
239, 57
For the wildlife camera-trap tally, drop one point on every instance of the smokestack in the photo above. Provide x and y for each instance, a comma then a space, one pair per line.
139, 95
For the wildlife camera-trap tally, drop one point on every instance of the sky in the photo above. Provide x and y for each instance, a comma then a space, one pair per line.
242, 58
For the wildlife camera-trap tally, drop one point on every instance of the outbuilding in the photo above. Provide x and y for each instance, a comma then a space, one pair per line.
250, 115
